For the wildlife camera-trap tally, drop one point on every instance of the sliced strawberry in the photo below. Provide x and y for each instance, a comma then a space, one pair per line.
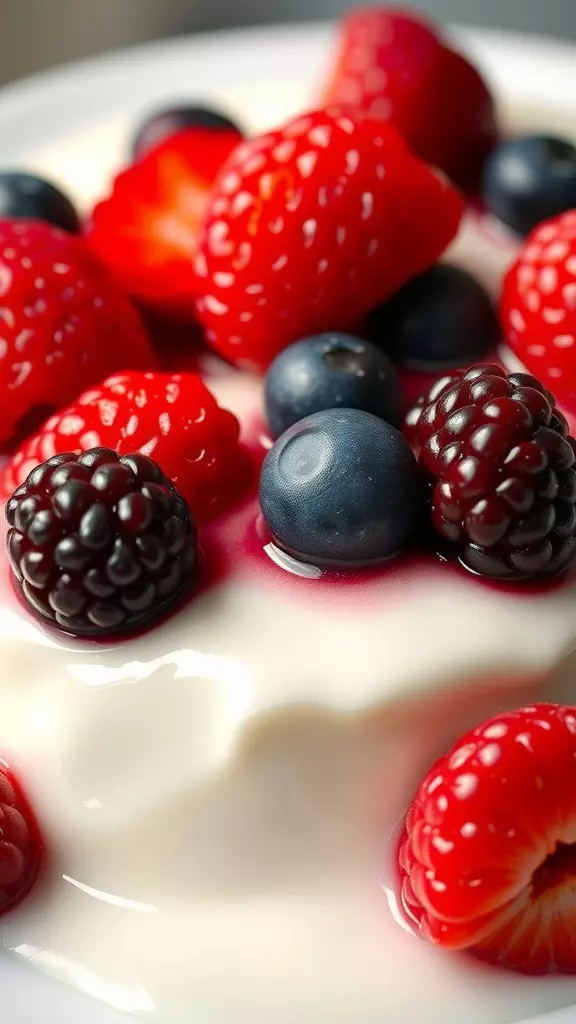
311, 226
173, 418
539, 306
394, 66
147, 229
488, 857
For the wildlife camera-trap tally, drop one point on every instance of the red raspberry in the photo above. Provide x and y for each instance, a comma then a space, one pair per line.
393, 65
21, 849
310, 227
502, 468
146, 231
170, 417
539, 306
488, 857
100, 544
63, 324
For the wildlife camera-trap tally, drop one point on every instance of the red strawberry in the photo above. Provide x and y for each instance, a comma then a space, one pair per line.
147, 230
539, 306
63, 324
393, 65
173, 418
488, 857
311, 226
20, 843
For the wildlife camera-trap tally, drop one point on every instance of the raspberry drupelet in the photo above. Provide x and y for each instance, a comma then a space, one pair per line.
100, 544
502, 470
21, 846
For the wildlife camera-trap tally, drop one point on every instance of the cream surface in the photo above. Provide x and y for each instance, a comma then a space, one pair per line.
220, 796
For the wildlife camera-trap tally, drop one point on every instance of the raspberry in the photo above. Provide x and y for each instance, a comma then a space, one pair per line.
21, 847
393, 65
172, 416
488, 856
502, 469
64, 324
99, 543
310, 227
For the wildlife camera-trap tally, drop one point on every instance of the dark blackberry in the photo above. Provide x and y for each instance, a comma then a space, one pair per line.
502, 470
99, 543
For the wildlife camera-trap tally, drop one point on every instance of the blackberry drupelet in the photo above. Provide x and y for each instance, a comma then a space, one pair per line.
502, 470
100, 543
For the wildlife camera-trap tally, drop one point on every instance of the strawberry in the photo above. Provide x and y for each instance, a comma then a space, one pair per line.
147, 229
488, 856
393, 65
311, 226
539, 306
21, 850
170, 417
64, 324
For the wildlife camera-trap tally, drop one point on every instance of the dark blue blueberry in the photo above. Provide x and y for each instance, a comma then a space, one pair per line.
163, 123
341, 487
443, 318
529, 180
25, 196
330, 371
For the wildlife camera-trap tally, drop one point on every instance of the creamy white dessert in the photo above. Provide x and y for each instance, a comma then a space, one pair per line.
220, 797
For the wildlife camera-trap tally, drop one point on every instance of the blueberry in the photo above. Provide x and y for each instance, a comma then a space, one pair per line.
341, 487
529, 180
329, 371
25, 196
440, 319
160, 125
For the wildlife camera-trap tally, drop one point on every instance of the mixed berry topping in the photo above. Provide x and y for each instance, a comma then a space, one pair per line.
170, 416
538, 307
164, 124
28, 197
488, 856
270, 250
439, 319
502, 470
21, 848
341, 487
100, 544
330, 371
311, 226
64, 324
393, 65
530, 180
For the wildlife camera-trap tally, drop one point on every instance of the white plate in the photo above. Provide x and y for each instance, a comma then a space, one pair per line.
261, 75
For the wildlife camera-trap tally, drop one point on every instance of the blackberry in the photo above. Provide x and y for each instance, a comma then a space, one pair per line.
502, 470
100, 543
